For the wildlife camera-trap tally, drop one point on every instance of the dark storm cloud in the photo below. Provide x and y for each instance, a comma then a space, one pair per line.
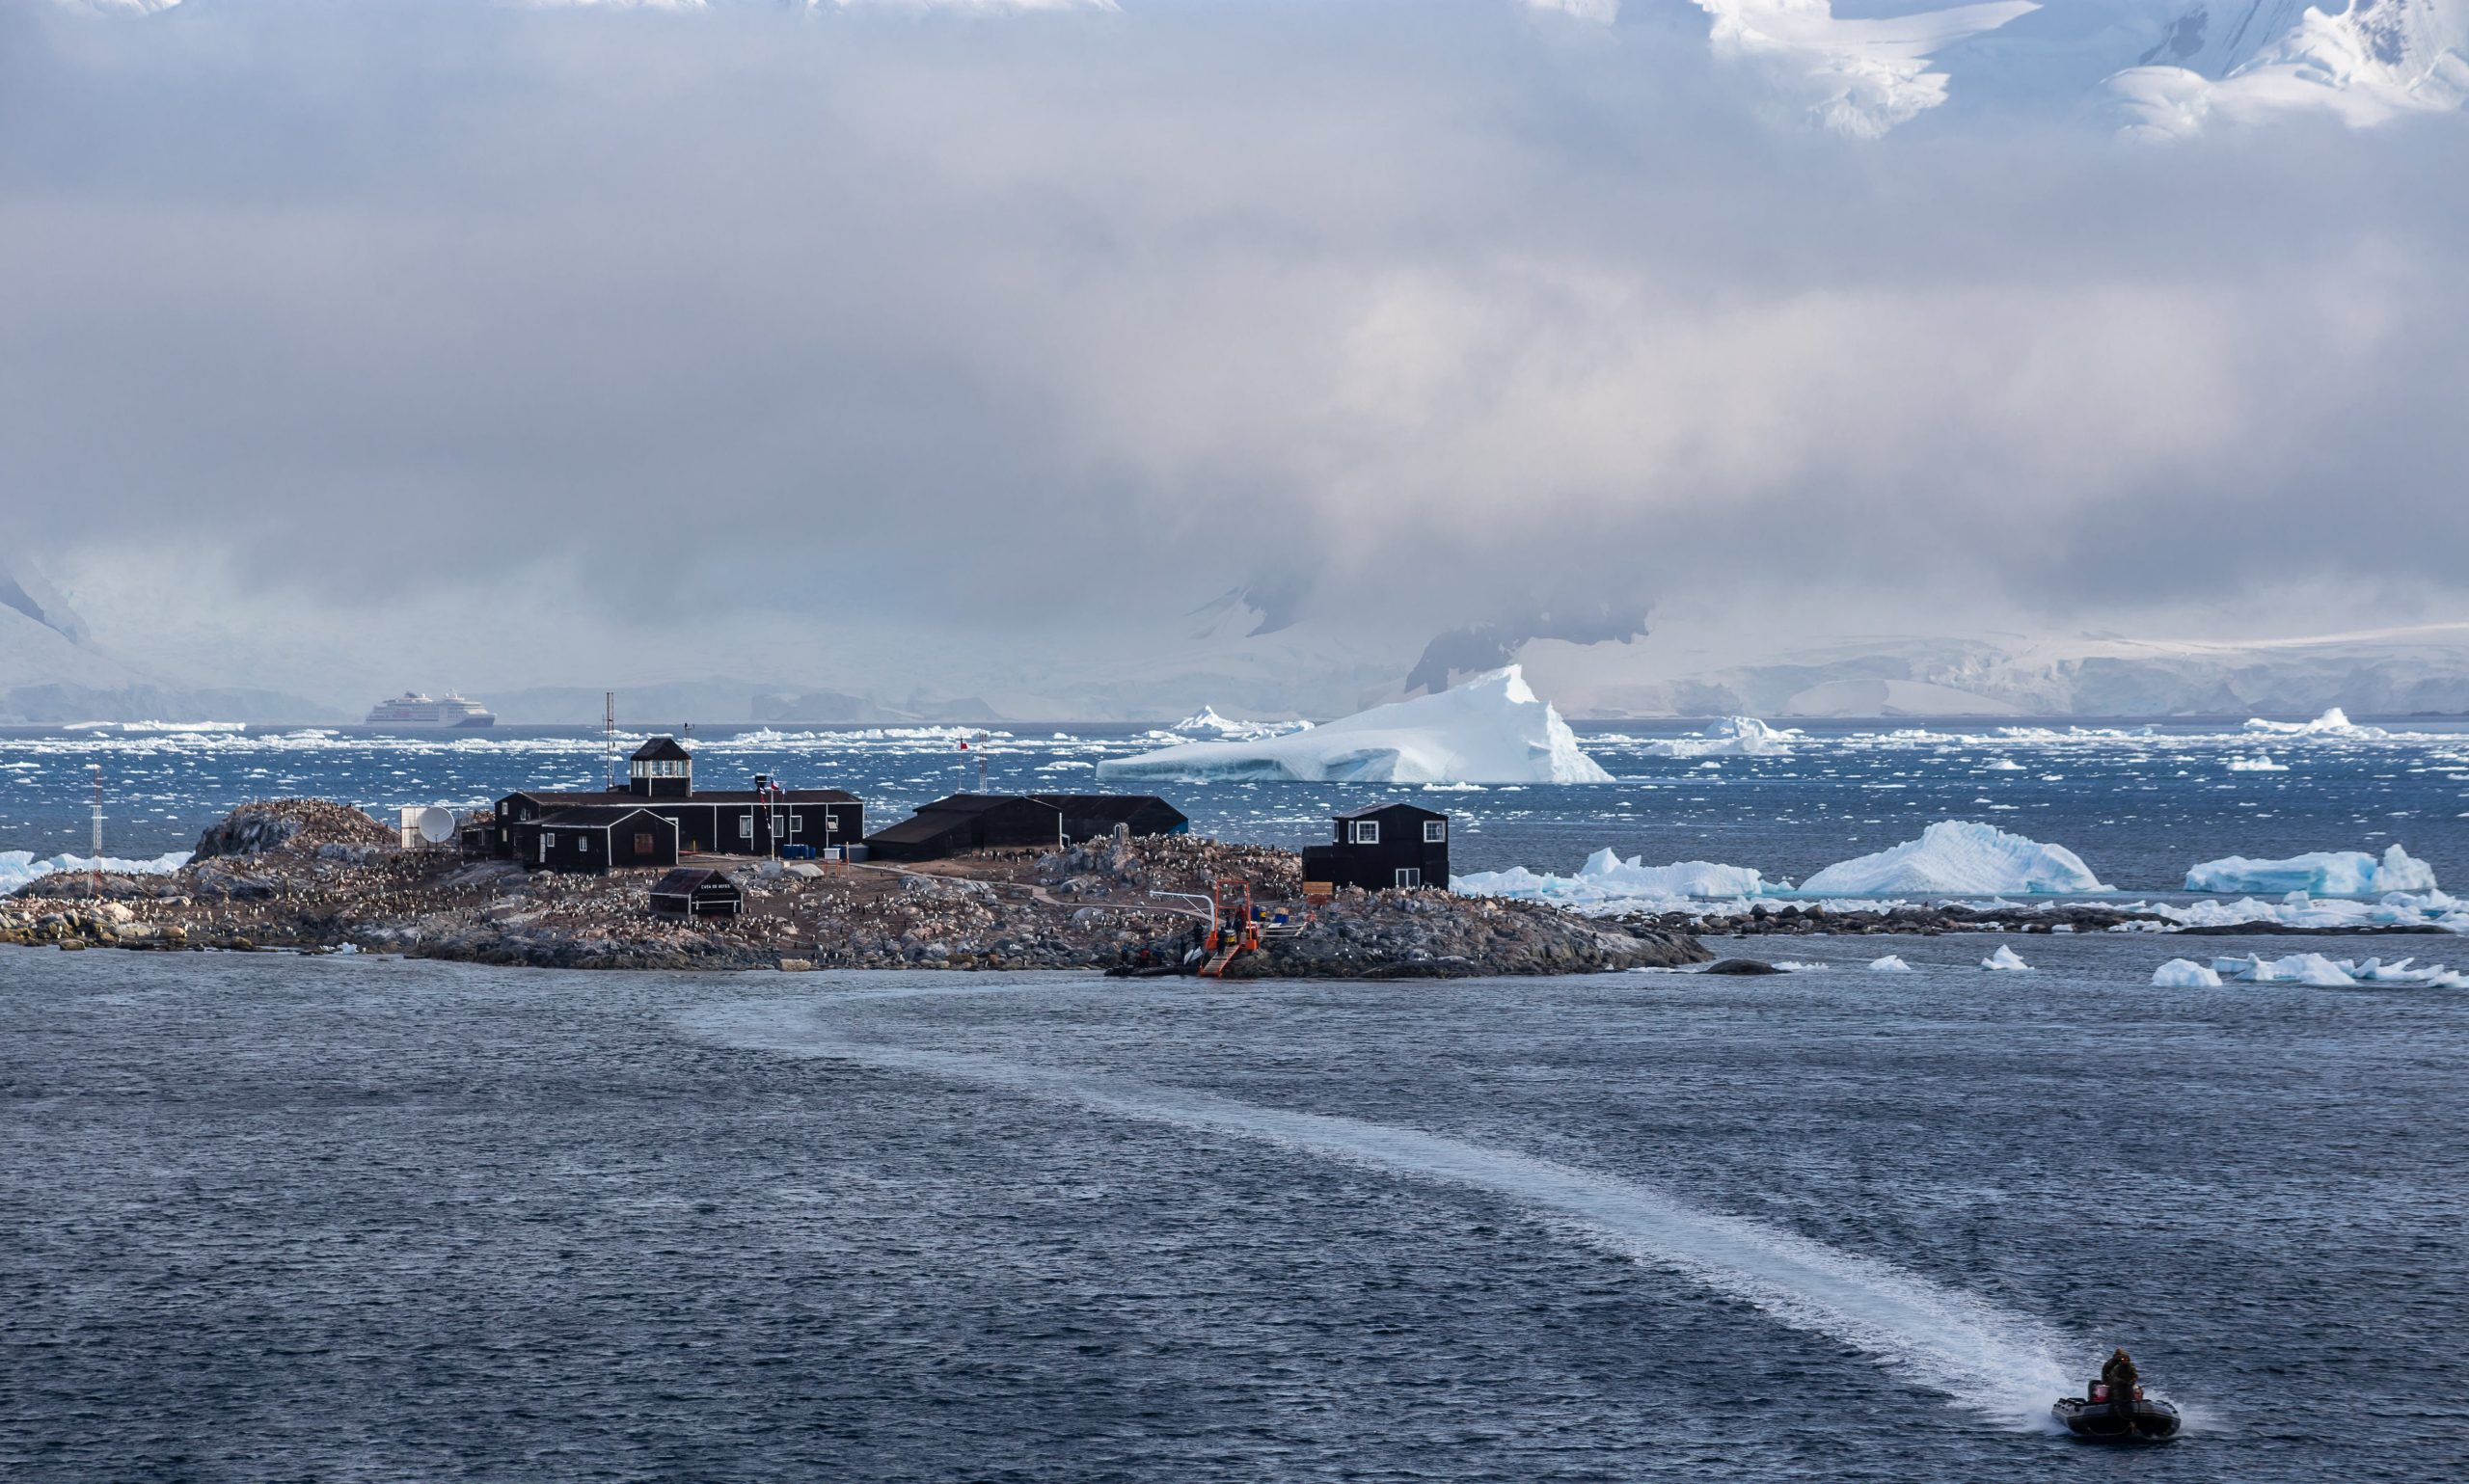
1428, 307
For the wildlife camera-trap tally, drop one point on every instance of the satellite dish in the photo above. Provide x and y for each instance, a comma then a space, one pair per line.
436, 825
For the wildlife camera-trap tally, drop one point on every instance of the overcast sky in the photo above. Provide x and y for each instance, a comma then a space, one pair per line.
543, 344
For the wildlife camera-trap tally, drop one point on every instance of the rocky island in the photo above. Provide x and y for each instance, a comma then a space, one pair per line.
313, 876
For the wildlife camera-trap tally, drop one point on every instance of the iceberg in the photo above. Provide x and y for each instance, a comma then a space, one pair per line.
1606, 877
2004, 961
19, 868
2295, 969
2323, 873
1206, 722
2334, 722
1731, 737
1891, 963
2403, 909
1491, 729
1958, 855
2185, 974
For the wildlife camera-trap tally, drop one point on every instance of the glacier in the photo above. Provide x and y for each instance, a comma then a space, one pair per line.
1963, 858
2322, 872
1489, 729
1606, 877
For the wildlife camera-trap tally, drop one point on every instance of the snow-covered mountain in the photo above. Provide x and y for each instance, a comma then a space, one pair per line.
2384, 672
1865, 67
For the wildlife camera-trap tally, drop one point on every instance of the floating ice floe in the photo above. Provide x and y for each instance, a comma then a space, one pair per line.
2300, 909
2260, 764
2334, 722
2185, 974
2331, 974
1730, 737
1891, 963
1959, 856
1606, 877
2005, 960
2323, 873
17, 868
1491, 729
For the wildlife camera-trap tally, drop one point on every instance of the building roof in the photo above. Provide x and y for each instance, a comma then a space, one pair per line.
920, 827
979, 803
1115, 806
591, 817
684, 880
627, 798
1369, 810
662, 749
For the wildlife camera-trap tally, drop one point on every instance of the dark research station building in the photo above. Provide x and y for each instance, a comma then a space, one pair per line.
1381, 846
979, 821
660, 816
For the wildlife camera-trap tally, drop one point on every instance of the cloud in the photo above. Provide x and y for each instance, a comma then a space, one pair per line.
847, 323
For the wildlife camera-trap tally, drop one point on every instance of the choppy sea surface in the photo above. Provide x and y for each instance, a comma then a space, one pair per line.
362, 1219
2140, 802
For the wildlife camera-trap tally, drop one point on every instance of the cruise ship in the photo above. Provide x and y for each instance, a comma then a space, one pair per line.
413, 709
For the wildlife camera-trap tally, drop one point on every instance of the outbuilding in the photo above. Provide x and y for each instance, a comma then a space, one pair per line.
695, 891
1088, 815
969, 821
1381, 846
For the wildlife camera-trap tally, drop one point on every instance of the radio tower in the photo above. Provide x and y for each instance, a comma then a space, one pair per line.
608, 739
96, 866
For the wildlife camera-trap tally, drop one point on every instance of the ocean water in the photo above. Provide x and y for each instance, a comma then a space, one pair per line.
2140, 802
362, 1219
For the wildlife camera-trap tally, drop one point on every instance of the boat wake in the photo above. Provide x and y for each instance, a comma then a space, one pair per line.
2002, 1365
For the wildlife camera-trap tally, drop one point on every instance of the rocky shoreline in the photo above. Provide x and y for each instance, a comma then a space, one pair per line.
310, 875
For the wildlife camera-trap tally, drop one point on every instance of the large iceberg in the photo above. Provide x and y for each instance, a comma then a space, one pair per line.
1607, 877
1959, 856
1491, 729
2324, 874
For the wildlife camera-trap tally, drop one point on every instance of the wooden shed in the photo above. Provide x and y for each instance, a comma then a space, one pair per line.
692, 891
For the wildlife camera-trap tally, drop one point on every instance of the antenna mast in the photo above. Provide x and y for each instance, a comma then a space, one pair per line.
96, 866
608, 739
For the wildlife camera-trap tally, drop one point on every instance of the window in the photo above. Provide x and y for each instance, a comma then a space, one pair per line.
583, 845
1408, 875
548, 841
1435, 831
644, 842
1366, 831
796, 825
746, 828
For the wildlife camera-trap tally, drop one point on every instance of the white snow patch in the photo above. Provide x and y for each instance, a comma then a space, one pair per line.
2323, 873
2185, 974
1490, 729
1958, 855
2004, 961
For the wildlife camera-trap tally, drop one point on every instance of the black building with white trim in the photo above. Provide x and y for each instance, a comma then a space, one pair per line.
1382, 847
969, 821
1088, 815
660, 816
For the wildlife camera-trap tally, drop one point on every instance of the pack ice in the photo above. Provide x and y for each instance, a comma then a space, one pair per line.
1730, 737
2323, 873
1490, 729
17, 868
1607, 877
1958, 856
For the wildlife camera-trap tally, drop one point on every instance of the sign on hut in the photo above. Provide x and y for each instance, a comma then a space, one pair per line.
694, 891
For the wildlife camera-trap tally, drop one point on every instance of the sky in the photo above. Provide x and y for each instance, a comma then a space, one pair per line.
345, 346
